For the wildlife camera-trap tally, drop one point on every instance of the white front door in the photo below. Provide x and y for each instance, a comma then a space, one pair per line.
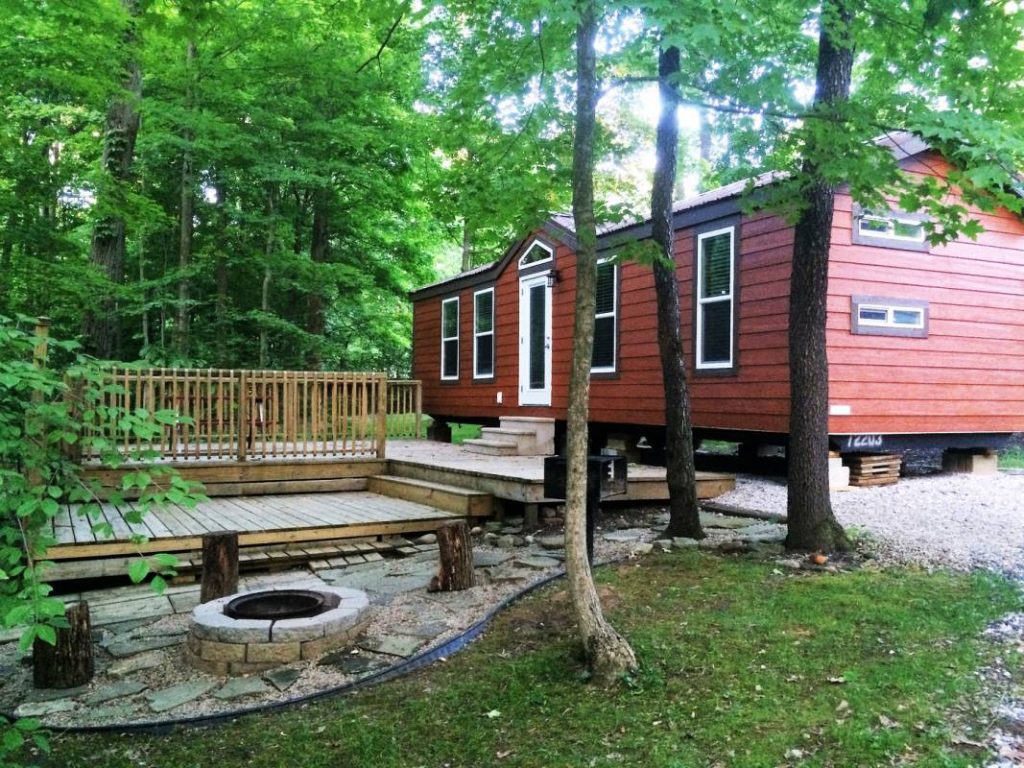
534, 341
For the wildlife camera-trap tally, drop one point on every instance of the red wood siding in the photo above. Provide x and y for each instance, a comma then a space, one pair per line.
966, 376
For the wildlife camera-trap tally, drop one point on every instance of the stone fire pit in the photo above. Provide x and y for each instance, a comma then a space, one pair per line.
225, 639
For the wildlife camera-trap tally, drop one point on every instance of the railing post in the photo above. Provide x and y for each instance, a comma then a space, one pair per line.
419, 409
382, 414
243, 414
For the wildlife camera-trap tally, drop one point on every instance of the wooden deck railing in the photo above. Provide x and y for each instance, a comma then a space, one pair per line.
229, 414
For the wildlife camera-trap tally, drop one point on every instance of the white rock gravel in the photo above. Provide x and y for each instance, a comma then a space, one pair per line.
955, 521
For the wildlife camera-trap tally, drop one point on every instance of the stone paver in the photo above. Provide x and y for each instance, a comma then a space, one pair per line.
122, 648
53, 694
720, 521
130, 664
488, 558
169, 698
395, 645
44, 708
119, 690
537, 562
282, 678
629, 534
350, 663
241, 686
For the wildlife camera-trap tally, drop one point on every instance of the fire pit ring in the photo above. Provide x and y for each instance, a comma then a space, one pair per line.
275, 605
229, 642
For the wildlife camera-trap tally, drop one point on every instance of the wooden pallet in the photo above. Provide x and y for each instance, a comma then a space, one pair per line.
868, 469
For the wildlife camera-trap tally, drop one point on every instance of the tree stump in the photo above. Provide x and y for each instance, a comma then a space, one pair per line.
220, 565
456, 568
69, 663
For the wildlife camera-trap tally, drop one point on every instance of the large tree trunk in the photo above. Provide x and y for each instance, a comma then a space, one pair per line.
268, 257
812, 524
684, 512
221, 277
608, 654
187, 223
467, 246
101, 326
319, 252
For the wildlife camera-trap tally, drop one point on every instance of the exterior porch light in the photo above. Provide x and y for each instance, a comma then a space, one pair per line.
552, 278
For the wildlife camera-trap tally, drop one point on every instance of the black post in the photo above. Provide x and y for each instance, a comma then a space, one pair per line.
593, 505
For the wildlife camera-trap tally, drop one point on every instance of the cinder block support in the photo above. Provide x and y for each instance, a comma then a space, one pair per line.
972, 461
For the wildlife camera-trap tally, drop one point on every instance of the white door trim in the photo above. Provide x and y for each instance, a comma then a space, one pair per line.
533, 395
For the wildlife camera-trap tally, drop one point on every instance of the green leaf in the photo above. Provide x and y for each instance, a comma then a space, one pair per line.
47, 634
138, 570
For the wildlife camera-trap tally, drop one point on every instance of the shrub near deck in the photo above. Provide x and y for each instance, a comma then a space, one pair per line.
743, 665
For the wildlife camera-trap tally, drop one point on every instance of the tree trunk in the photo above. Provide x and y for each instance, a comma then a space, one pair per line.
684, 512
319, 252
187, 223
101, 326
221, 277
812, 524
68, 663
608, 654
456, 568
467, 247
268, 257
220, 566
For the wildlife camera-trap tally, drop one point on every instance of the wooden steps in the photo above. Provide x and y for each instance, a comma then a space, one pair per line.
867, 469
320, 554
450, 498
490, 447
257, 478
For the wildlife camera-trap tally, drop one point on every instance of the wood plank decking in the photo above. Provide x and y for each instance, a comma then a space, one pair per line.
259, 520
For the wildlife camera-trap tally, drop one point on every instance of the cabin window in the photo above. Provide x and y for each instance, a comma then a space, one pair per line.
483, 334
605, 319
890, 229
878, 316
716, 257
450, 338
537, 253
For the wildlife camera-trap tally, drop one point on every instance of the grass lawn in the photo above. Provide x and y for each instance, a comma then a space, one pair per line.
1012, 458
742, 665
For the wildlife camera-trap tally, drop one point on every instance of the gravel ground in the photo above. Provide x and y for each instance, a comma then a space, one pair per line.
956, 521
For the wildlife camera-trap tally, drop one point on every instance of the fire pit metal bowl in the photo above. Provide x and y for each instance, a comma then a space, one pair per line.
250, 632
279, 604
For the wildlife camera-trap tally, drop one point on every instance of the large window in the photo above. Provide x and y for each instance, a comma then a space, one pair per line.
880, 316
605, 319
450, 338
716, 254
483, 334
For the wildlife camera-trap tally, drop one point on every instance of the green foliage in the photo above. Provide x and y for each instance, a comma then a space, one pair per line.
45, 415
739, 665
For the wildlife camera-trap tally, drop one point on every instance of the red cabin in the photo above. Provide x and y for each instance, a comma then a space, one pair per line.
925, 343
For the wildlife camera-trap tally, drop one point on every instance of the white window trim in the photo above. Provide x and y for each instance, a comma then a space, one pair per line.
536, 244
890, 232
478, 334
698, 345
890, 316
455, 338
614, 314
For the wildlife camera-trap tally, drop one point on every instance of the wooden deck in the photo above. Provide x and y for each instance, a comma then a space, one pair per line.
288, 508
259, 519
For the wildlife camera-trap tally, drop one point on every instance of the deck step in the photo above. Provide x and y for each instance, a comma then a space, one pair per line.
490, 447
450, 498
504, 434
